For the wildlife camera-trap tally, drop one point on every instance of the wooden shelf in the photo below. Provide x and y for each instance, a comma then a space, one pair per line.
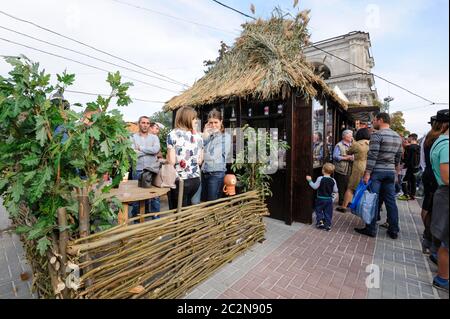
262, 117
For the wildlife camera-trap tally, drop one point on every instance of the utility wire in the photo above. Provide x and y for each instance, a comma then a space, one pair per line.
173, 17
89, 56
235, 10
420, 107
377, 76
106, 95
85, 64
90, 46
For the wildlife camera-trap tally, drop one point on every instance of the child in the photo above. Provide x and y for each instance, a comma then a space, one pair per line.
326, 187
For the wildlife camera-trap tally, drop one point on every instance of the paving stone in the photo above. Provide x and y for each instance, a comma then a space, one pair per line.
6, 288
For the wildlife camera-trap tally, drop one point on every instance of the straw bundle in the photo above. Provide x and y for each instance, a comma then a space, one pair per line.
266, 61
164, 258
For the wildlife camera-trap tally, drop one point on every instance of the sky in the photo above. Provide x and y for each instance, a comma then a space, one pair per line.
409, 38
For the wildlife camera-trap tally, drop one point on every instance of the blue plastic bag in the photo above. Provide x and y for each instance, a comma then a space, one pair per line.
368, 206
359, 192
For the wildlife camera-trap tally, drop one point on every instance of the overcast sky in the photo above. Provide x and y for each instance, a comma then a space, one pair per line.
410, 43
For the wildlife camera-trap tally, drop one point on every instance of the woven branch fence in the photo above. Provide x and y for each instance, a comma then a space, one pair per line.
165, 257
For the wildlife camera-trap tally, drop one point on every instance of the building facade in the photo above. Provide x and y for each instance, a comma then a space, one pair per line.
354, 47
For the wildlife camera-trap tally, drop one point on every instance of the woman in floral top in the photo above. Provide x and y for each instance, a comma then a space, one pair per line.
185, 151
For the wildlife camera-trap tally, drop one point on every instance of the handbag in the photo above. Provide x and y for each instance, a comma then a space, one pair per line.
145, 179
166, 176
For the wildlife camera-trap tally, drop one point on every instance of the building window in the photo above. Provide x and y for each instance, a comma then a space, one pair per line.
318, 133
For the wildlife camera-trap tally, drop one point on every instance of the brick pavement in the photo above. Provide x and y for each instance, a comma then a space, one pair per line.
312, 263
405, 270
12, 263
297, 261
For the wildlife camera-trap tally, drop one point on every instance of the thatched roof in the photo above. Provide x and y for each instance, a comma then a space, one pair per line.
265, 62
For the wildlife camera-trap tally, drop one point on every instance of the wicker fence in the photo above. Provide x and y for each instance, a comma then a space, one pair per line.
165, 257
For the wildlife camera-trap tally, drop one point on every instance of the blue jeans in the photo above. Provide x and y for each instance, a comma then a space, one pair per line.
196, 199
212, 185
385, 181
324, 211
155, 204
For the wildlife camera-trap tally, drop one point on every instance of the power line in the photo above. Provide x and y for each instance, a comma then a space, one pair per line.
421, 107
312, 45
85, 64
106, 95
89, 56
367, 72
173, 17
235, 10
90, 46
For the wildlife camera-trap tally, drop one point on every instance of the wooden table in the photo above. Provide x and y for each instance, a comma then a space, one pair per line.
129, 192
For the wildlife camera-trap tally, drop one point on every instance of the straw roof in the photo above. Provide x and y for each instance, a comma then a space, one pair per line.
265, 62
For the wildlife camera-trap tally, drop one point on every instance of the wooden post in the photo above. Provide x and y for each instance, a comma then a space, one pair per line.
63, 239
122, 217
84, 209
180, 194
83, 212
63, 235
141, 211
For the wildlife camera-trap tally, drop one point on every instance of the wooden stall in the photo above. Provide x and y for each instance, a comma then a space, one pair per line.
265, 82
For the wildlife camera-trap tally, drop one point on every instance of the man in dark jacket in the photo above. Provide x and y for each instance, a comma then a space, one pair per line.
412, 165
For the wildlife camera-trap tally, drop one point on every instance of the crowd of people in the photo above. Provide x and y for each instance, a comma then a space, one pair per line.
377, 154
199, 158
391, 163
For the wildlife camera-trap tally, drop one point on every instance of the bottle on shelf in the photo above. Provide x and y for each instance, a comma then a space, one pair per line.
280, 109
266, 110
250, 112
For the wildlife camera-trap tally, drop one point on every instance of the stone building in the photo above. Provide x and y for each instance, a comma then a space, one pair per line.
357, 85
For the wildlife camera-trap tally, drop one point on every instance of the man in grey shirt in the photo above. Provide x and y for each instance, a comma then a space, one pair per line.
147, 147
385, 151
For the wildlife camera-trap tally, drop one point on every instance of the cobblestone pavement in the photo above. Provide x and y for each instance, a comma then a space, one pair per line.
13, 263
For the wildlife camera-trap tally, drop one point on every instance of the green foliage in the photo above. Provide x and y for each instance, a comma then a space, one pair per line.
209, 64
253, 176
48, 153
398, 124
163, 138
165, 118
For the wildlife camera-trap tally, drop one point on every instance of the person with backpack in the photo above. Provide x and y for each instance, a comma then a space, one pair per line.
412, 165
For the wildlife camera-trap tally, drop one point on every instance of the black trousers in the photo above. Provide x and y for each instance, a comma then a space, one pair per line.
191, 186
342, 183
409, 184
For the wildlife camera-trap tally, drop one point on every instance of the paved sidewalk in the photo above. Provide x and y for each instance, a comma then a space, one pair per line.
297, 261
301, 261
13, 263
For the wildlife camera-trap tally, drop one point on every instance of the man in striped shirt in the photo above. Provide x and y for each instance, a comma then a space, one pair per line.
385, 151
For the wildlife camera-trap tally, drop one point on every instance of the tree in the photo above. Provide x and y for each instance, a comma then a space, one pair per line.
50, 155
224, 48
397, 124
165, 118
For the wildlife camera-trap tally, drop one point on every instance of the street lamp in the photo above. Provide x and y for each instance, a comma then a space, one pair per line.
387, 100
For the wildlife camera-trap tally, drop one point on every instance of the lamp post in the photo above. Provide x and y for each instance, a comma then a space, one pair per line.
386, 104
